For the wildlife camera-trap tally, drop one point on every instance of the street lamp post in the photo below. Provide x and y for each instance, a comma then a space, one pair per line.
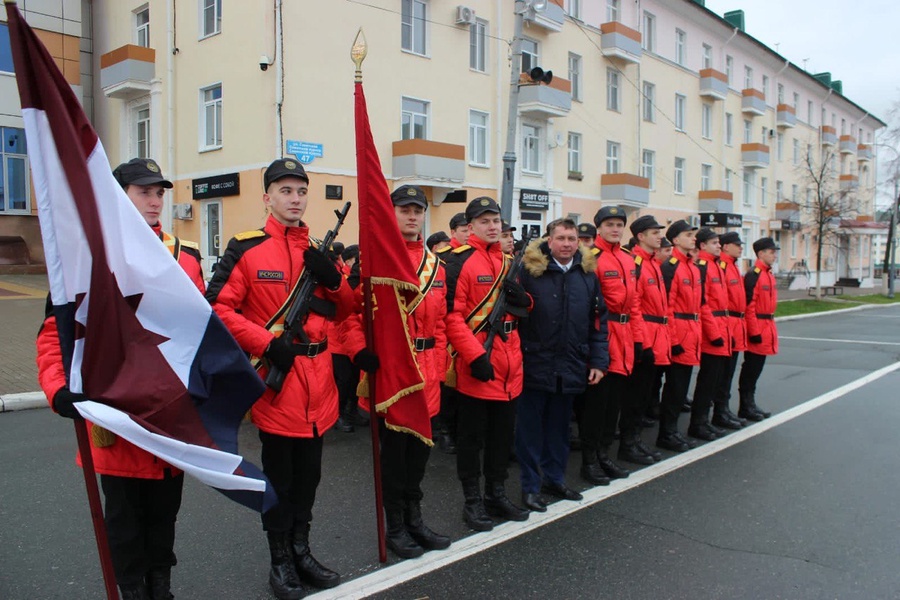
889, 250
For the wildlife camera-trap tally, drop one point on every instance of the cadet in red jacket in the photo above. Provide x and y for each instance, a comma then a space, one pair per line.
762, 335
732, 250
682, 281
249, 292
715, 348
486, 386
602, 402
142, 493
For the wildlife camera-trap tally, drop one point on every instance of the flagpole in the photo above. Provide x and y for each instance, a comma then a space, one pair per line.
358, 54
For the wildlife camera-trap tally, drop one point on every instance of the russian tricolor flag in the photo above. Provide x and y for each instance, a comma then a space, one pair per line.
137, 336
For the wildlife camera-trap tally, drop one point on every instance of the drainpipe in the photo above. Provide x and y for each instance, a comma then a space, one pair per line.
171, 50
279, 80
722, 160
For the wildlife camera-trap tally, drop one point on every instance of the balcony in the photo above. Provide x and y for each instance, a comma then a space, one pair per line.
786, 116
625, 189
545, 100
754, 156
849, 183
848, 144
829, 135
753, 102
619, 41
551, 18
713, 84
864, 152
715, 201
126, 72
428, 161
787, 211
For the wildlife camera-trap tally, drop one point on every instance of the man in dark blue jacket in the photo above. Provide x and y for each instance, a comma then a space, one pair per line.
564, 349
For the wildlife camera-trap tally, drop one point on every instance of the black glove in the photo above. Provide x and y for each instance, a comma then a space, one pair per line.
756, 339
647, 356
322, 268
367, 360
718, 342
481, 367
515, 294
677, 349
281, 354
64, 403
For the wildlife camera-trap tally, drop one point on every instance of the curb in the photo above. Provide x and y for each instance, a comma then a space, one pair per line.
832, 312
24, 401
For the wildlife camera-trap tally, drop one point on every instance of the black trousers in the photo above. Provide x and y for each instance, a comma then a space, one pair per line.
447, 417
346, 378
403, 461
140, 523
294, 468
637, 399
601, 412
486, 425
709, 378
674, 395
723, 394
656, 391
750, 372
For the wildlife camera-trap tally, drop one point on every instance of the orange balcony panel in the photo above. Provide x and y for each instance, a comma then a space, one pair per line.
848, 144
829, 135
785, 116
625, 189
753, 102
127, 71
428, 160
620, 41
713, 201
713, 84
864, 152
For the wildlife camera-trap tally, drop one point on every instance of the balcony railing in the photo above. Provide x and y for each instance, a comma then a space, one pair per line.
864, 152
848, 144
786, 116
754, 156
127, 71
619, 41
829, 135
715, 201
713, 84
849, 183
429, 161
625, 189
544, 100
753, 102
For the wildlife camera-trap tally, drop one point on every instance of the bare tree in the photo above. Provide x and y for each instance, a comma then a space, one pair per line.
891, 139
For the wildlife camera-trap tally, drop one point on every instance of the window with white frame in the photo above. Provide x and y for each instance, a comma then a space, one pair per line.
843, 126
574, 146
780, 93
142, 27
142, 131
648, 37
575, 75
794, 190
613, 150
648, 167
707, 56
211, 117
530, 55
728, 177
612, 89
745, 234
729, 68
705, 177
748, 131
796, 101
649, 102
679, 175
573, 8
15, 191
748, 77
680, 46
680, 102
478, 45
413, 26
729, 129
779, 146
210, 17
793, 244
833, 120
706, 121
531, 148
612, 10
478, 138
764, 191
809, 112
779, 191
749, 186
414, 119
796, 151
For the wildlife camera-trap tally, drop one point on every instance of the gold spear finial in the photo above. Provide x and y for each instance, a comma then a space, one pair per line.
358, 52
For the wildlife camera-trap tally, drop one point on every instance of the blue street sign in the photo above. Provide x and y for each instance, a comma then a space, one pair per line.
305, 152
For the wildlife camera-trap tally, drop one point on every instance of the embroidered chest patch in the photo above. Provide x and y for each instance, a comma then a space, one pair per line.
485, 279
438, 284
686, 281
610, 273
272, 275
651, 281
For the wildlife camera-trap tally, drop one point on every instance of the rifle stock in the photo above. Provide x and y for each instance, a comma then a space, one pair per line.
498, 312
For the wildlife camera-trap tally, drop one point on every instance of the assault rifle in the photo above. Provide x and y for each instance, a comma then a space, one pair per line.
296, 314
495, 319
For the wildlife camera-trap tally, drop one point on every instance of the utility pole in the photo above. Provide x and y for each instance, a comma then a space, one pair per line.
889, 250
509, 156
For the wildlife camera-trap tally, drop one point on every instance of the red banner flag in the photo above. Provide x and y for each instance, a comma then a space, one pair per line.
385, 264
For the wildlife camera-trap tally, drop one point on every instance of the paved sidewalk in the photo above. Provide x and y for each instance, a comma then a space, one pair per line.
22, 299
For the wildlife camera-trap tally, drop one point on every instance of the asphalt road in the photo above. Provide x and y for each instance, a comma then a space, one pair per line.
805, 510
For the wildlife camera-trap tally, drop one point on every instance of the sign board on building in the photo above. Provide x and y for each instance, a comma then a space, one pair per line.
534, 199
784, 225
306, 152
217, 186
721, 220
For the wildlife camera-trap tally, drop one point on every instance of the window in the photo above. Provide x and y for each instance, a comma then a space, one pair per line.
14, 188
574, 146
763, 191
705, 177
649, 102
680, 43
706, 121
648, 39
575, 75
478, 138
729, 69
843, 126
679, 112
707, 56
612, 10
796, 151
142, 132
728, 180
612, 89
793, 245
211, 20
414, 119
796, 101
573, 7
780, 94
745, 234
748, 131
613, 149
679, 175
648, 167
729, 129
809, 112
413, 19
211, 117
142, 27
530, 55
765, 85
531, 148
6, 62
779, 191
748, 77
478, 45
749, 185
779, 146
794, 193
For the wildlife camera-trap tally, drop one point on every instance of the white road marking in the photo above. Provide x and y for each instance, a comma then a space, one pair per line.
809, 339
407, 570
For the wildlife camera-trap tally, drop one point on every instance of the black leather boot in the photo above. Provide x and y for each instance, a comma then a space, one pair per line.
134, 592
344, 424
424, 536
724, 418
398, 539
640, 445
498, 505
629, 452
159, 580
283, 575
308, 568
748, 410
474, 513
590, 469
612, 470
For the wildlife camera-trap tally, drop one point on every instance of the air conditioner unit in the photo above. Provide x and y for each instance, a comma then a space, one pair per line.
694, 220
465, 15
185, 211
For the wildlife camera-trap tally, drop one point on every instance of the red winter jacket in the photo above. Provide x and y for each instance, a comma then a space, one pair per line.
653, 303
186, 253
682, 279
737, 303
426, 325
253, 280
472, 270
762, 298
618, 284
714, 307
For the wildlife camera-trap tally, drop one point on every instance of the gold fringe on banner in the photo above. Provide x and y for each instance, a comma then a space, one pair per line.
102, 438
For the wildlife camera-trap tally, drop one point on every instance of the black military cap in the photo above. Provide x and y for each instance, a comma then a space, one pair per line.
349, 252
731, 237
479, 206
458, 220
283, 167
765, 243
609, 212
644, 223
507, 227
140, 171
409, 194
677, 228
706, 234
586, 230
436, 238
665, 243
